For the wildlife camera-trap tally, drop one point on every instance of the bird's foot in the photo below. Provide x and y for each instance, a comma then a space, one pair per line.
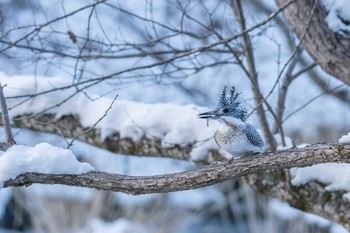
232, 158
250, 154
246, 155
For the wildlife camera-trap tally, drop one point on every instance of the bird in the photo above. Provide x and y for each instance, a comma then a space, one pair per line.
234, 134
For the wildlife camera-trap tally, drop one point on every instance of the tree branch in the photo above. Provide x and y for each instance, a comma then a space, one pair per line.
208, 175
70, 126
254, 167
312, 197
253, 76
320, 41
6, 121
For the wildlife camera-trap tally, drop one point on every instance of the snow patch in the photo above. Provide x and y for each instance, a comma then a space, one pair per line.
121, 225
284, 211
345, 139
338, 10
171, 123
335, 175
43, 158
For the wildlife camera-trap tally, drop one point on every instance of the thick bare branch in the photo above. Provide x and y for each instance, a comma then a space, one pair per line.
208, 175
258, 169
320, 41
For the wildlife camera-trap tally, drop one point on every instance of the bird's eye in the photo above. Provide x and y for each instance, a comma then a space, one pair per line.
225, 110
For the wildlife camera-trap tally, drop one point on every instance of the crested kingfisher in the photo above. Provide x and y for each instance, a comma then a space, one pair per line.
234, 134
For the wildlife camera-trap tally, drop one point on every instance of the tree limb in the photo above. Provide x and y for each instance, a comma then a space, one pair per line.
320, 41
253, 76
6, 121
69, 126
311, 197
208, 175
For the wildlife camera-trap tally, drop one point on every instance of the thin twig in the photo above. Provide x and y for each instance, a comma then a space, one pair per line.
94, 125
181, 54
55, 127
295, 51
37, 29
312, 100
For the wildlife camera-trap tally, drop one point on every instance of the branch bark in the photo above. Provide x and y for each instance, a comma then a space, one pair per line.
253, 76
214, 173
6, 119
320, 41
311, 197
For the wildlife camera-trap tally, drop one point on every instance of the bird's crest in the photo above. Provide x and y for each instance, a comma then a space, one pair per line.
233, 103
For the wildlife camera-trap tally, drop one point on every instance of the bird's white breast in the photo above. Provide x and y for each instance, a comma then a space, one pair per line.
231, 138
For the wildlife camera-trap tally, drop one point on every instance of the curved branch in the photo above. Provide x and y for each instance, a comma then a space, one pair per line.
208, 175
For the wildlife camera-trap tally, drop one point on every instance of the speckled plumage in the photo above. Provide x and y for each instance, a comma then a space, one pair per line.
234, 134
252, 135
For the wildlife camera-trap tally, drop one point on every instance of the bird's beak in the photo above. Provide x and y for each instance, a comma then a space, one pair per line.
207, 115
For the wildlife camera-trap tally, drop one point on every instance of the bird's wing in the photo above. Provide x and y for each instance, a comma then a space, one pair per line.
252, 135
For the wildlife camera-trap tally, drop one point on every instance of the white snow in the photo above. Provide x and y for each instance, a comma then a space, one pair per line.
336, 9
110, 162
173, 124
43, 158
284, 211
121, 225
335, 175
345, 139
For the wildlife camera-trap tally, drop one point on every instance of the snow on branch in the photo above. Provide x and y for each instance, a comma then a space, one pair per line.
162, 129
43, 158
214, 173
321, 42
